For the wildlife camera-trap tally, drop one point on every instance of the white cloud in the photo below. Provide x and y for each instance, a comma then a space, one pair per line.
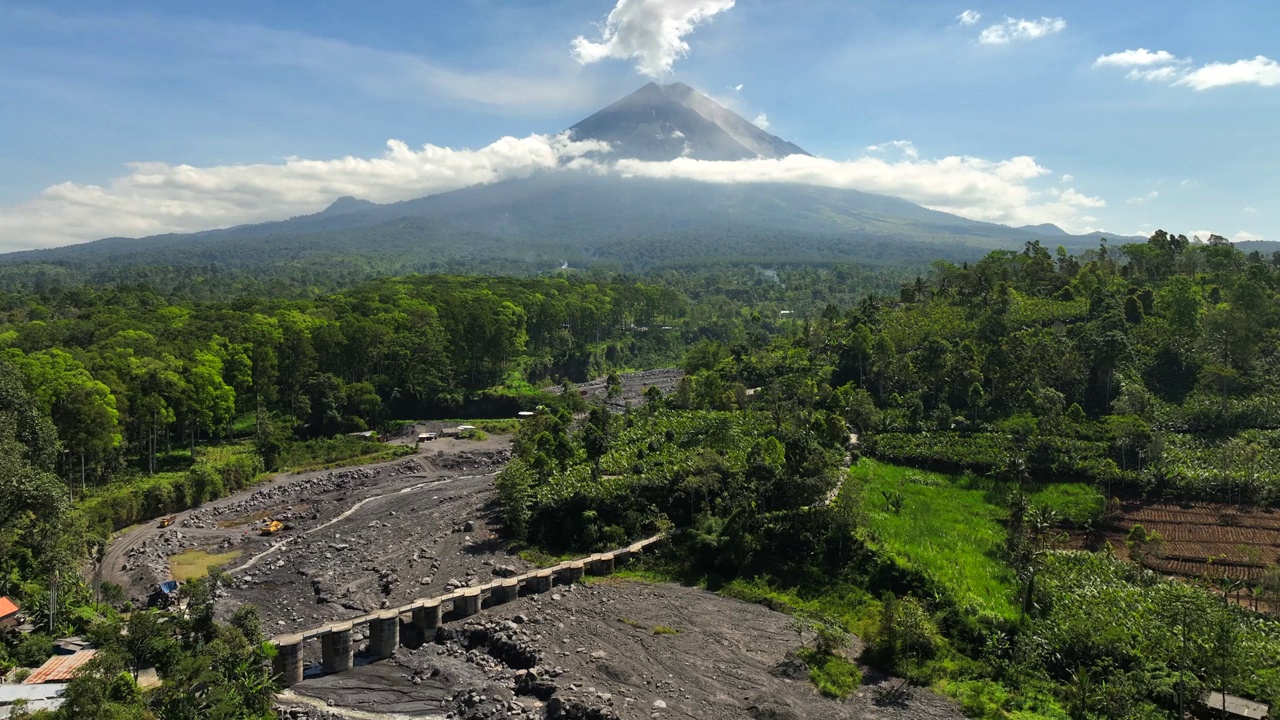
1075, 199
1251, 210
158, 198
1141, 57
907, 147
1189, 183
1164, 67
1261, 71
153, 198
650, 31
761, 121
1202, 235
1068, 178
1021, 29
1246, 236
969, 17
990, 190
1144, 199
1164, 74
738, 87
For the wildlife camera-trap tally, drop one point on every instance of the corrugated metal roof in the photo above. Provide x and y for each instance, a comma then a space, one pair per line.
9, 693
51, 705
7, 607
37, 697
60, 668
1236, 705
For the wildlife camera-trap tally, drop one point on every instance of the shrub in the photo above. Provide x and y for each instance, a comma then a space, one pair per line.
32, 650
834, 675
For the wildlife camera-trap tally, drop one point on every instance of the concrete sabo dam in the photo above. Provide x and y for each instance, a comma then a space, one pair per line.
337, 651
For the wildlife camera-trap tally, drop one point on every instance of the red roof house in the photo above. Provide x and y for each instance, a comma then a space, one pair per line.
60, 668
8, 613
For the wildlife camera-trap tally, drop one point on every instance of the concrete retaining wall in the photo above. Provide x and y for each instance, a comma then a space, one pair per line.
427, 614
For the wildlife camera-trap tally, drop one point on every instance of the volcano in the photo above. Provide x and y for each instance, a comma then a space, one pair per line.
663, 122
586, 217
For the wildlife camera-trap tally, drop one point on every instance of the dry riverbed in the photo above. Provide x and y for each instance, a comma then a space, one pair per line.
614, 649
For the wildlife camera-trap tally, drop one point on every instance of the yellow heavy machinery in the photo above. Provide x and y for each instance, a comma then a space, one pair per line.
168, 521
272, 527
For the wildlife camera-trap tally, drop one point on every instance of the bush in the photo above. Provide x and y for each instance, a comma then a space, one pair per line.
203, 484
240, 472
32, 650
1046, 457
832, 674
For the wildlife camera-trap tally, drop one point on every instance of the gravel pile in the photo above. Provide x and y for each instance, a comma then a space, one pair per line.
481, 460
153, 557
288, 711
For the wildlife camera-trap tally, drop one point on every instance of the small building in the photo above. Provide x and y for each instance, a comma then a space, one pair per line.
8, 613
427, 436
60, 668
37, 697
70, 645
1235, 707
370, 435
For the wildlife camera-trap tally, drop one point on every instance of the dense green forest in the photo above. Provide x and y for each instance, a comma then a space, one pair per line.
129, 373
128, 403
1005, 408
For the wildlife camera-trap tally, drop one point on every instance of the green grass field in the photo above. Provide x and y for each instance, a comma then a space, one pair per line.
947, 527
192, 564
951, 527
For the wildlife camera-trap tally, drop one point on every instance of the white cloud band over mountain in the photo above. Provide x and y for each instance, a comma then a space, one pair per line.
997, 191
156, 198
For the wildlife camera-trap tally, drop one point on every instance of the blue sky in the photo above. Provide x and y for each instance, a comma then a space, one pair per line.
1010, 116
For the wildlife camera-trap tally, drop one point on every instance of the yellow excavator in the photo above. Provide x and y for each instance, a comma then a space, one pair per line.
168, 521
273, 527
